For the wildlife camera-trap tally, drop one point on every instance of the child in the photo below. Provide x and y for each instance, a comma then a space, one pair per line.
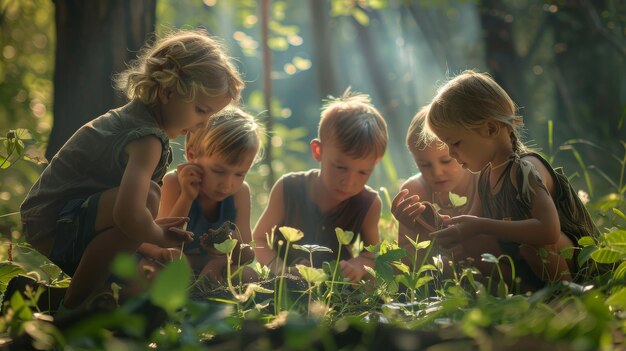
352, 138
439, 176
210, 189
99, 195
524, 206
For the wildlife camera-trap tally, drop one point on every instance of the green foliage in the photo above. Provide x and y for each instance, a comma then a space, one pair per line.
170, 287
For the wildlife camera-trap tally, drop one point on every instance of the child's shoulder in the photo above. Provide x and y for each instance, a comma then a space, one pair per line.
170, 179
299, 179
416, 185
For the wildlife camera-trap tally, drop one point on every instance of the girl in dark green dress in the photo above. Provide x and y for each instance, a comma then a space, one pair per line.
525, 209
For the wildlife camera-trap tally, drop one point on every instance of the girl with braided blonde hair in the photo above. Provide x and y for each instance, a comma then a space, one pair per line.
99, 196
524, 208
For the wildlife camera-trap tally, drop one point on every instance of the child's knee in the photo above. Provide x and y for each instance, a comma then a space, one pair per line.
154, 197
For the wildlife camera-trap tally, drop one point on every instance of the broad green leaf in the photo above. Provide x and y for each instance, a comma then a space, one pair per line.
8, 270
616, 238
619, 274
617, 300
311, 275
344, 236
567, 252
586, 241
426, 267
21, 310
383, 270
606, 256
23, 134
227, 246
457, 200
169, 289
423, 244
392, 255
401, 267
421, 281
291, 234
4, 162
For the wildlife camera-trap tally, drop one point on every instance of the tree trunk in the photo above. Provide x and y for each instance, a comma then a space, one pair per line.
503, 62
95, 39
323, 65
267, 85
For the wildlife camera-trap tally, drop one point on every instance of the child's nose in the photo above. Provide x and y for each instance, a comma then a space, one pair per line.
437, 170
346, 181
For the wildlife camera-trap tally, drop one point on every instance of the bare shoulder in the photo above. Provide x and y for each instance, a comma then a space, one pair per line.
171, 179
243, 195
417, 186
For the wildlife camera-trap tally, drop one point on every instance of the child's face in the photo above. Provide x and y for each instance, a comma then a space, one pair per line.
220, 178
342, 175
180, 115
471, 148
440, 171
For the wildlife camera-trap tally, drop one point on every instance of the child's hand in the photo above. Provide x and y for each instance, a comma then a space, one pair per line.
408, 210
173, 233
189, 179
352, 269
457, 229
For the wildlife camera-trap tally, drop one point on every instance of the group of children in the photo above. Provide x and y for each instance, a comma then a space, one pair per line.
107, 191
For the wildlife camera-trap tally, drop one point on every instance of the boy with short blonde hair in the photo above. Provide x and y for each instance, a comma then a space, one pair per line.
352, 138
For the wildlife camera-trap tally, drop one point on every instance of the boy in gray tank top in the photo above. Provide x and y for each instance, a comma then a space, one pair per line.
352, 138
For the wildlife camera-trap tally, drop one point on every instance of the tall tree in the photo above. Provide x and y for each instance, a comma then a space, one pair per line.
94, 40
503, 61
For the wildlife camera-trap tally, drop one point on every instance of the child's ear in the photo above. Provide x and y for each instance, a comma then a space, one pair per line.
164, 94
189, 155
316, 150
492, 128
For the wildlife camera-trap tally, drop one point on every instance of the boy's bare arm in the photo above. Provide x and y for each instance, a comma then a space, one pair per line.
179, 190
272, 216
242, 221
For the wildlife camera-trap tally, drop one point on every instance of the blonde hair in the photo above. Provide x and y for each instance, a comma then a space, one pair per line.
230, 133
414, 140
354, 124
189, 60
469, 100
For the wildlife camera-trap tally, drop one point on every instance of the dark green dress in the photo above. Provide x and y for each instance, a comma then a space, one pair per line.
512, 203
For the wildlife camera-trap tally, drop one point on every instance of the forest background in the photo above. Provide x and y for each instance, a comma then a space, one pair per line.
562, 61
